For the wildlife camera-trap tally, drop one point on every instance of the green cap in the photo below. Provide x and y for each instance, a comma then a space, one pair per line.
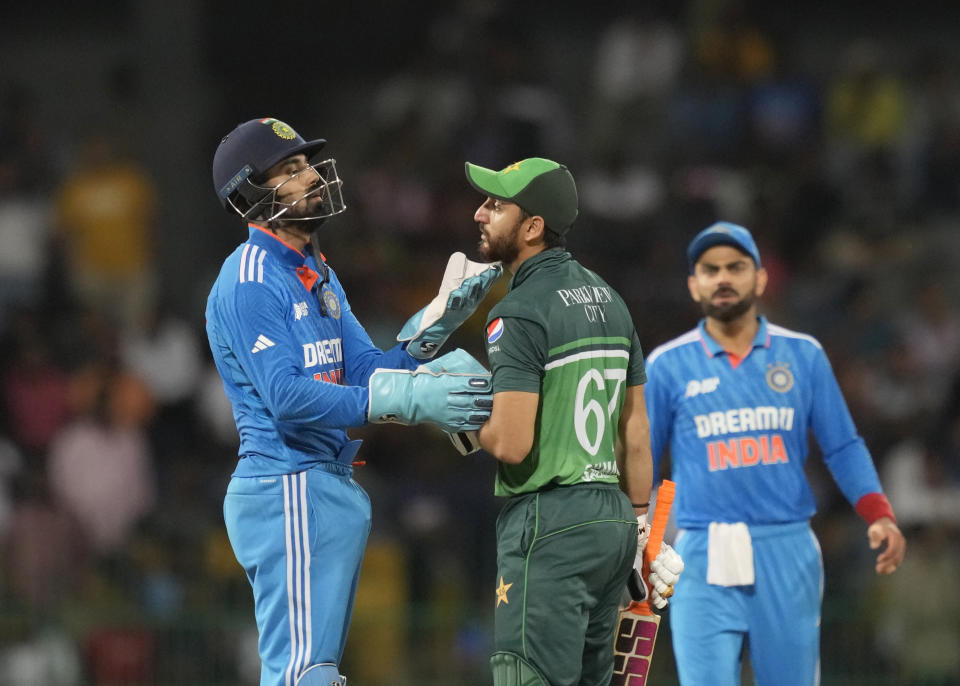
540, 187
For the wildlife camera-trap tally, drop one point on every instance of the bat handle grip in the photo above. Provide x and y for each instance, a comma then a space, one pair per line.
660, 517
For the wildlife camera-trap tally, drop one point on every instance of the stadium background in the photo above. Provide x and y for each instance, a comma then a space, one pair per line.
830, 128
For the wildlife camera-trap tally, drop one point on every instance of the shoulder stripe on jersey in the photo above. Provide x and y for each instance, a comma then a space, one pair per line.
588, 354
263, 254
243, 262
251, 264
777, 330
690, 337
585, 342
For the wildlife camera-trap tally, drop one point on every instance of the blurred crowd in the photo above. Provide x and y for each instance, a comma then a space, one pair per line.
116, 440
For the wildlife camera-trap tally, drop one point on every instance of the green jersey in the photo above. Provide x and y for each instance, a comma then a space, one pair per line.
562, 332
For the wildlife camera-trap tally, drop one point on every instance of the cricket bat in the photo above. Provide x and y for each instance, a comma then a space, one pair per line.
638, 624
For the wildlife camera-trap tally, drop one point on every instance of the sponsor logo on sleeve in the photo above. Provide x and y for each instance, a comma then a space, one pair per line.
494, 330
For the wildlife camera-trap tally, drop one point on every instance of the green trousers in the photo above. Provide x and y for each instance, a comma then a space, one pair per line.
563, 557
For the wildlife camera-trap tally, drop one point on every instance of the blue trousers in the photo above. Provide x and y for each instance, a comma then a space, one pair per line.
300, 537
779, 614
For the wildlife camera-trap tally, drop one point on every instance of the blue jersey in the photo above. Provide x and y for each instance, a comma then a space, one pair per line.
737, 430
294, 359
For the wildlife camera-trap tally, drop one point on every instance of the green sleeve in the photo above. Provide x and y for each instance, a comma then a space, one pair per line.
518, 356
636, 371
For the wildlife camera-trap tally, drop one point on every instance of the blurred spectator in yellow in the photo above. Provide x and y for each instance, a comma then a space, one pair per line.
105, 215
866, 102
730, 40
866, 110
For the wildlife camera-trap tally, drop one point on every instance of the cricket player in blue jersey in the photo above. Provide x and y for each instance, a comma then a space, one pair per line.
734, 400
299, 369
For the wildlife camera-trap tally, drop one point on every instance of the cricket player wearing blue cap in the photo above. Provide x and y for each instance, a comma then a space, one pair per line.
734, 400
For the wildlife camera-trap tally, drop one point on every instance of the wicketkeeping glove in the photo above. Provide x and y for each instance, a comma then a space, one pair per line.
467, 441
465, 284
450, 392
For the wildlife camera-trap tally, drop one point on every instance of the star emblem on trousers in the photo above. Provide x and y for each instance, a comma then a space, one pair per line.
502, 592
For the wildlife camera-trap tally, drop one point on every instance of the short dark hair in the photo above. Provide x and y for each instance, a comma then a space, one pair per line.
552, 239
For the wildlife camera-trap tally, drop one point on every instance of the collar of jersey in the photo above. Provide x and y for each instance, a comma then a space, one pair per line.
761, 340
547, 258
285, 253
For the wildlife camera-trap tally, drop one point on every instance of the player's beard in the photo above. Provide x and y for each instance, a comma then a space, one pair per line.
503, 248
728, 311
300, 217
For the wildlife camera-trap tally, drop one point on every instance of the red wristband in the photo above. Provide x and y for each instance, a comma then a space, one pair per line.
873, 506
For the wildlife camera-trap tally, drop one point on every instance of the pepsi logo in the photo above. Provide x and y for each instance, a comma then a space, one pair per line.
494, 330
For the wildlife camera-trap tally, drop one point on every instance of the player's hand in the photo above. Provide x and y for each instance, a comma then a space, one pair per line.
465, 284
885, 530
452, 392
665, 570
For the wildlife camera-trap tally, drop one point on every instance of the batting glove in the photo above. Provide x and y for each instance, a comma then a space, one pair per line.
665, 570
465, 284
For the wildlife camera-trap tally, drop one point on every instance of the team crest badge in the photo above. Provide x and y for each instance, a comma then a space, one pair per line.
332, 302
494, 330
284, 131
779, 377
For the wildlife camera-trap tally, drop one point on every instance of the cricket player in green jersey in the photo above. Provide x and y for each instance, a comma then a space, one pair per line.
569, 428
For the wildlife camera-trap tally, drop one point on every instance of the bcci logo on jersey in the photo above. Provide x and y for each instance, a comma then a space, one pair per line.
332, 302
779, 377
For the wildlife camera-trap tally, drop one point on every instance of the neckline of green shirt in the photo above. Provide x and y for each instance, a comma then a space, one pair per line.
549, 257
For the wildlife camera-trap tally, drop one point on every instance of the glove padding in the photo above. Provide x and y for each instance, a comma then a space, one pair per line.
465, 284
452, 392
665, 571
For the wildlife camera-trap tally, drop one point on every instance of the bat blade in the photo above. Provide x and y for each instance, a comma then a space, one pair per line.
633, 648
637, 626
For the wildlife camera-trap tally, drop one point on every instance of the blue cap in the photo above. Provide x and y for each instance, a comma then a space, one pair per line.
722, 233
